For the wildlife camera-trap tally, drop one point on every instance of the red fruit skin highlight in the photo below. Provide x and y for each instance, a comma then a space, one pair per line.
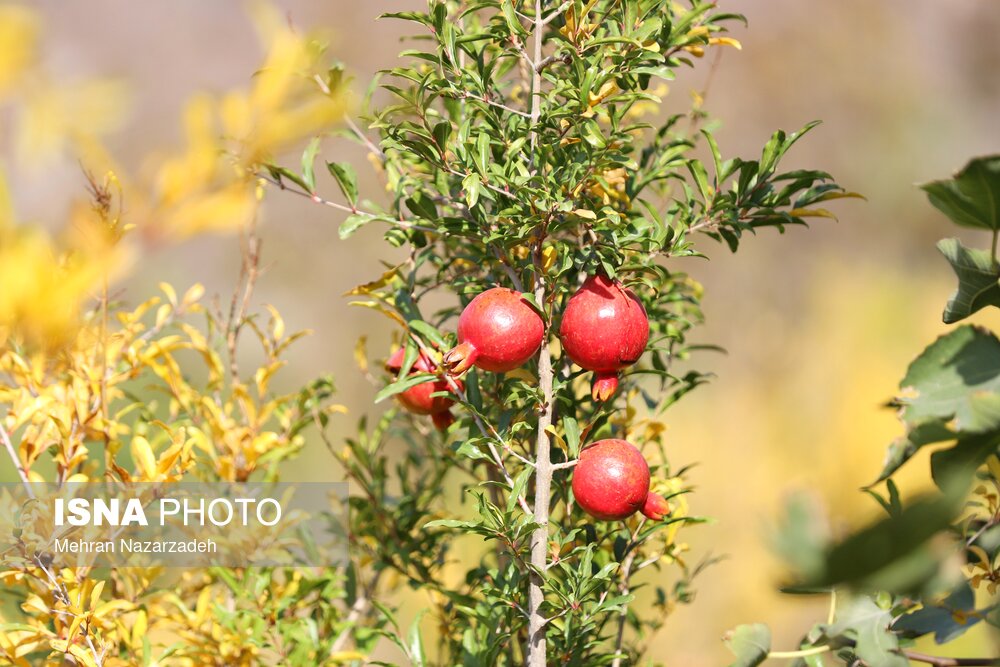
611, 481
656, 507
604, 329
498, 331
419, 399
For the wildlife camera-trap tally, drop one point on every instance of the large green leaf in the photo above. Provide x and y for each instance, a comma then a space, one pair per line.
893, 554
948, 619
957, 379
918, 435
868, 624
750, 644
972, 197
978, 277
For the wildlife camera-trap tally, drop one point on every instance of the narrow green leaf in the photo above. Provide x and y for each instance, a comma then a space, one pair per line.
344, 174
402, 385
308, 160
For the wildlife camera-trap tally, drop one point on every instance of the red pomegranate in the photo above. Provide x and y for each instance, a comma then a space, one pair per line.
604, 329
419, 399
611, 481
498, 331
656, 507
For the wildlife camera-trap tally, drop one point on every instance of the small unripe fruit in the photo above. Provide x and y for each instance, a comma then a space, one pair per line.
604, 329
498, 331
656, 507
611, 480
420, 399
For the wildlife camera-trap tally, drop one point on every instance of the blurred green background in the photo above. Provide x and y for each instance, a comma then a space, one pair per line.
818, 324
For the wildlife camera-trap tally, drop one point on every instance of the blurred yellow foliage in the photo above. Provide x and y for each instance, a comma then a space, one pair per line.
207, 186
18, 35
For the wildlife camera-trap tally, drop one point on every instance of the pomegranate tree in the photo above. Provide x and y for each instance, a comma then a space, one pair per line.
513, 144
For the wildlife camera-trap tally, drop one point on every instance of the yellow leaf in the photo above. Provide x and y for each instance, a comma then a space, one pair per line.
142, 453
361, 354
374, 305
171, 293
95, 595
382, 281
811, 213
549, 257
194, 294
139, 628
725, 41
277, 323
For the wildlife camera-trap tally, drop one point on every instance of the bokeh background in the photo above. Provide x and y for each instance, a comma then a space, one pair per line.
818, 324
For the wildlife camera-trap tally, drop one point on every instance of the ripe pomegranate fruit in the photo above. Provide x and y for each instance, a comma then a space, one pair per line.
656, 507
498, 331
604, 329
611, 481
419, 399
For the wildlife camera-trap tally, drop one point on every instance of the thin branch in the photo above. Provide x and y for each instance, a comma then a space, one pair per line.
626, 573
938, 661
16, 460
559, 11
470, 96
316, 199
364, 138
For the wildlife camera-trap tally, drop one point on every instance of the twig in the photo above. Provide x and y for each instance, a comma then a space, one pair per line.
938, 661
316, 199
16, 460
470, 96
626, 573
364, 138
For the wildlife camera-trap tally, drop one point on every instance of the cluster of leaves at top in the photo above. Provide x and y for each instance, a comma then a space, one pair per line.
917, 572
516, 157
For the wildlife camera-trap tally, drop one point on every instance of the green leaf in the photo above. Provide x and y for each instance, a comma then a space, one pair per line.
308, 158
472, 185
416, 642
282, 174
344, 174
962, 459
353, 223
890, 554
428, 332
513, 23
750, 644
956, 379
869, 624
402, 385
972, 197
572, 429
919, 434
948, 619
978, 277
